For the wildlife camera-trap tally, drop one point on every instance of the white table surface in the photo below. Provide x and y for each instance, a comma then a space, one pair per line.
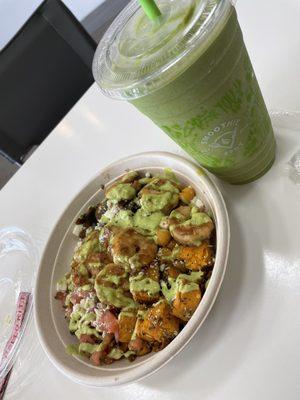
248, 347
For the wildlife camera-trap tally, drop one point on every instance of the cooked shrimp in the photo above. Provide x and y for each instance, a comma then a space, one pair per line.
129, 177
112, 287
162, 184
114, 274
185, 211
144, 286
132, 248
192, 235
132, 177
180, 214
159, 195
120, 191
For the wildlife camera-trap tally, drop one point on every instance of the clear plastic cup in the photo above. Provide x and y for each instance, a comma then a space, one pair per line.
189, 71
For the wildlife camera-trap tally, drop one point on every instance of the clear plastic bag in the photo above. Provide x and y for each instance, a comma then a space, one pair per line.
289, 120
18, 263
286, 119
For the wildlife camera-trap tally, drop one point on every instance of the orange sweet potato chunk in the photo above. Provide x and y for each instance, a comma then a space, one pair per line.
126, 326
158, 325
197, 257
185, 304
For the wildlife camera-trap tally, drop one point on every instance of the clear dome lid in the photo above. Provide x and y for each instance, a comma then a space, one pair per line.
137, 56
18, 262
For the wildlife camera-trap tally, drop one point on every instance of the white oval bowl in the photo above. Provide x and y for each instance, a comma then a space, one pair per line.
52, 327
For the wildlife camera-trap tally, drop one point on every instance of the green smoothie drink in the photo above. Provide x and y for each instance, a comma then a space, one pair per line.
189, 71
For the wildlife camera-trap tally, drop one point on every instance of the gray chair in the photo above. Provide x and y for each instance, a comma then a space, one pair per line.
97, 22
44, 70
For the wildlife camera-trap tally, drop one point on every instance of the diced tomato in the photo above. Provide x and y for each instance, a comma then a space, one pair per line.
108, 360
68, 311
61, 296
108, 323
136, 344
94, 271
107, 339
84, 338
79, 280
95, 357
106, 342
76, 297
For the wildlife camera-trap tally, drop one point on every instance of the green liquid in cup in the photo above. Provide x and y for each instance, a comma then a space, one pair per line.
211, 105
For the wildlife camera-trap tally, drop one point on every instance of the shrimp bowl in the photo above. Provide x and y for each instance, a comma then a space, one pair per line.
131, 269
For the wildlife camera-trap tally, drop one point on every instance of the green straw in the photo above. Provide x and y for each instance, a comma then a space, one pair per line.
150, 8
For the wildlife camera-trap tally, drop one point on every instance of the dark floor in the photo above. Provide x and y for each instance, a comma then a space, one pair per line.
7, 170
97, 22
